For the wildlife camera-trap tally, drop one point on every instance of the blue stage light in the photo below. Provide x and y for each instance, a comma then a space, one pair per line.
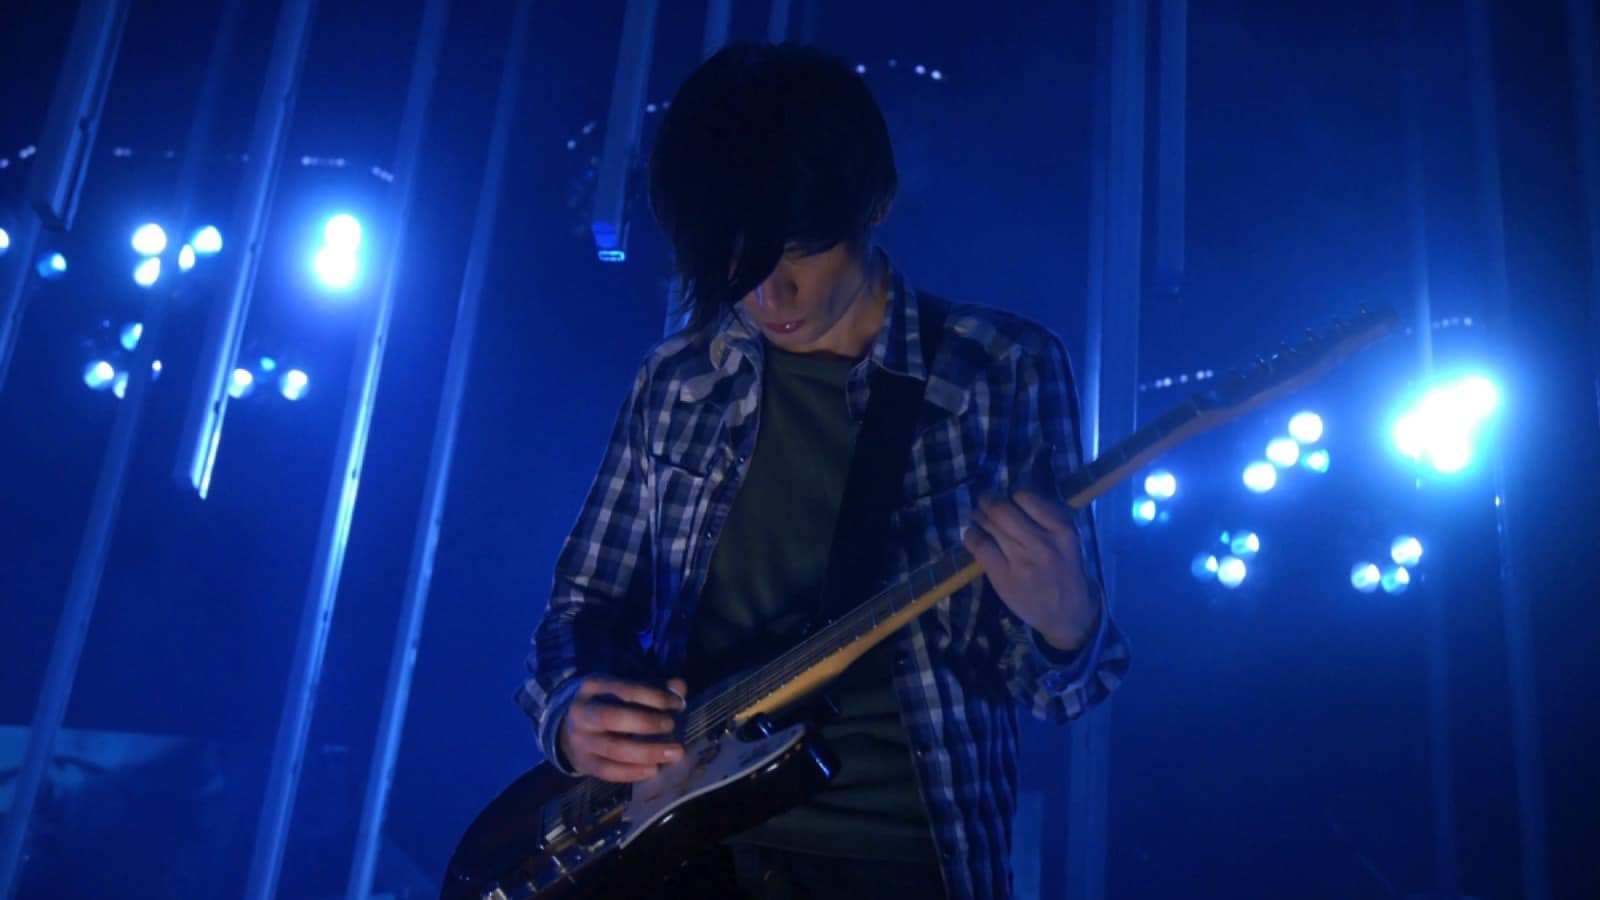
1204, 566
185, 258
1306, 427
1442, 428
149, 240
241, 384
207, 241
336, 268
1406, 551
1260, 477
5, 241
1144, 511
1395, 580
1161, 484
1316, 461
1283, 452
342, 232
131, 333
1230, 571
1364, 577
147, 272
52, 266
293, 384
99, 374
1245, 544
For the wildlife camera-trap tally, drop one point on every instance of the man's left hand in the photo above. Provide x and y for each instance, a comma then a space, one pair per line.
1030, 552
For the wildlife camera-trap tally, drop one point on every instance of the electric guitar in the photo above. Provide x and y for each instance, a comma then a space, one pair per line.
551, 837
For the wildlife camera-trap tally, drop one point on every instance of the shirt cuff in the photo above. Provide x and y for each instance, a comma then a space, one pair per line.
549, 736
1061, 671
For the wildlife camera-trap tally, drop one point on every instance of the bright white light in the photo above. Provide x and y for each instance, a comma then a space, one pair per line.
1144, 511
99, 374
293, 384
1306, 427
336, 268
1440, 430
120, 386
1161, 484
1260, 477
1230, 571
1204, 566
1283, 452
1406, 551
241, 384
1364, 577
1317, 461
147, 272
155, 370
1245, 544
342, 232
131, 333
207, 241
268, 364
1396, 580
185, 258
52, 266
5, 241
149, 240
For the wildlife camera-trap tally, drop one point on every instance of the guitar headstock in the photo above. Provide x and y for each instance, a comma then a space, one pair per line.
1293, 367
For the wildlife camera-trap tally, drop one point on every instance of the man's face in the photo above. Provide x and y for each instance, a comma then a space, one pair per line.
814, 303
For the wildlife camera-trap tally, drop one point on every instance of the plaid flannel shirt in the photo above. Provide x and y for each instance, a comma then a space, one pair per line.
627, 578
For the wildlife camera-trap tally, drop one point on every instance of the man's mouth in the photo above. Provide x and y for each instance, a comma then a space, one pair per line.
783, 327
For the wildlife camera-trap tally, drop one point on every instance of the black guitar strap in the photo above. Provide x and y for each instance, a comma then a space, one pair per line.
877, 470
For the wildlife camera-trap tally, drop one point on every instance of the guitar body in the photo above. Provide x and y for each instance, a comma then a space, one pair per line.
545, 837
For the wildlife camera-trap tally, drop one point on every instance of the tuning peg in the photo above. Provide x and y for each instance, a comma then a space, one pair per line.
1311, 336
1261, 362
1338, 325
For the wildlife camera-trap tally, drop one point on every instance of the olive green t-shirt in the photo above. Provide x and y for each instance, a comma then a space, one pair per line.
763, 588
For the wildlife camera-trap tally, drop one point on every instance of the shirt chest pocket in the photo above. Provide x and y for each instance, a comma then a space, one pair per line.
684, 452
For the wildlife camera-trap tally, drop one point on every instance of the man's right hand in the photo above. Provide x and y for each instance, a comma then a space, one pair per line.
611, 730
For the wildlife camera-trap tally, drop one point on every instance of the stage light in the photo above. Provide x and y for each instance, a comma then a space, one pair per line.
52, 266
131, 333
120, 386
185, 258
147, 272
5, 241
99, 374
1260, 477
1406, 551
1204, 566
1161, 484
293, 384
1283, 452
268, 364
241, 384
336, 268
1395, 580
1316, 461
1441, 428
342, 232
1306, 427
1144, 511
149, 240
207, 241
1364, 577
155, 370
1245, 544
1230, 571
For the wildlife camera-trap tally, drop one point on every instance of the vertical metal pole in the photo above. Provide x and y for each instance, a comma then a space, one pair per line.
778, 22
1526, 741
1441, 747
95, 546
1172, 147
65, 145
1582, 36
339, 505
609, 223
420, 574
719, 18
202, 427
1116, 292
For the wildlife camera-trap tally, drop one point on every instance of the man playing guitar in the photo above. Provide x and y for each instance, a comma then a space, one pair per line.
705, 539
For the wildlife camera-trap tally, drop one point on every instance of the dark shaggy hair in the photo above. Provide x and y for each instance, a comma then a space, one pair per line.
765, 146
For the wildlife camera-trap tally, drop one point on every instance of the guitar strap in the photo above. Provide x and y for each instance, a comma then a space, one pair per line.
877, 470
